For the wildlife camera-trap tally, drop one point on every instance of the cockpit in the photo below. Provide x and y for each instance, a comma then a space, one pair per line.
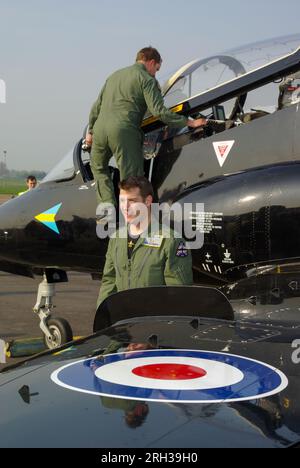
64, 170
197, 78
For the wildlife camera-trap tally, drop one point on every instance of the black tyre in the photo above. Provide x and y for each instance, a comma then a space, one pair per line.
61, 333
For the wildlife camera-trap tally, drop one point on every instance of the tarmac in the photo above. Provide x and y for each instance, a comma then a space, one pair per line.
4, 198
75, 301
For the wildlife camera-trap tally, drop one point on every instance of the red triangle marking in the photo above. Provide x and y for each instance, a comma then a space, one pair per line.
222, 150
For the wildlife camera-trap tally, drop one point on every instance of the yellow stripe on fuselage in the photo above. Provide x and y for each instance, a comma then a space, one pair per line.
152, 119
177, 108
46, 218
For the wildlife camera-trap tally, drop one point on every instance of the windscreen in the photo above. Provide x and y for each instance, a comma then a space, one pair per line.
163, 301
63, 170
202, 75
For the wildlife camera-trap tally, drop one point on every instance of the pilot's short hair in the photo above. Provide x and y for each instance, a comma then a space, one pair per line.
148, 53
32, 178
140, 182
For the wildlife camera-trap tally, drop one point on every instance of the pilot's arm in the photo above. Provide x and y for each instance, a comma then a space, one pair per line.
178, 268
157, 108
108, 285
95, 111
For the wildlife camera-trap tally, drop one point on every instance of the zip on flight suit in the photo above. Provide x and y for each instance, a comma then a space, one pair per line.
155, 261
115, 122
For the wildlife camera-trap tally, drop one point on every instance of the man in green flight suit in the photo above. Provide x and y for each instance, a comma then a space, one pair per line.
137, 259
116, 117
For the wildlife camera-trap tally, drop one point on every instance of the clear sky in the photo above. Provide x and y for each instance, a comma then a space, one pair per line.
56, 54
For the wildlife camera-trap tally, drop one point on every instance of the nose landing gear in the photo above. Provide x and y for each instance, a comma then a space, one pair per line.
57, 331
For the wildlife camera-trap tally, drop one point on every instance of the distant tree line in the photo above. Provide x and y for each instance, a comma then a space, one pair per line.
19, 175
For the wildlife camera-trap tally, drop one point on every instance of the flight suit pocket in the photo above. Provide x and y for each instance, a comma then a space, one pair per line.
182, 275
156, 275
121, 271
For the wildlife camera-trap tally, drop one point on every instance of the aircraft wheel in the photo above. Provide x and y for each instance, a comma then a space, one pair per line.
61, 333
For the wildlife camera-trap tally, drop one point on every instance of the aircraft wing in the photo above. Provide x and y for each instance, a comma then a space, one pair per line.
160, 381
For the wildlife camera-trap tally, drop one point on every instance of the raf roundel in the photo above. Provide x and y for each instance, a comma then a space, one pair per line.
178, 376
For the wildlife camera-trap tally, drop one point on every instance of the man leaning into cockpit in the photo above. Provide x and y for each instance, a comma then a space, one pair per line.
116, 117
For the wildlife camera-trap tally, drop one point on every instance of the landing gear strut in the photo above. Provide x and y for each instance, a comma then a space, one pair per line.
57, 331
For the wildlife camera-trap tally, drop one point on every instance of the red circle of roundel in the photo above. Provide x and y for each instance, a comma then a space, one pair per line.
169, 372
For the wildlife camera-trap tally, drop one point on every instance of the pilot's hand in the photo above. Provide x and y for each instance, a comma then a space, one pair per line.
197, 123
89, 139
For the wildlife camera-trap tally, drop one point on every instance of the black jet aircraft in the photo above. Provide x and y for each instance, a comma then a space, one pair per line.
243, 166
165, 368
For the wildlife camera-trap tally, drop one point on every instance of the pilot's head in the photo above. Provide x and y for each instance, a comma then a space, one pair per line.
31, 182
136, 198
136, 417
151, 58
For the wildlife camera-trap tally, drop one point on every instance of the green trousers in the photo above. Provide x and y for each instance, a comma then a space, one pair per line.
126, 145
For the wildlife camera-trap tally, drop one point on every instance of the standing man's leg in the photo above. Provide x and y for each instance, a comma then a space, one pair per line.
127, 146
100, 156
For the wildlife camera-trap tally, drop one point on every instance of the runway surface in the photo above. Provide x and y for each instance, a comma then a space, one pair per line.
75, 301
4, 198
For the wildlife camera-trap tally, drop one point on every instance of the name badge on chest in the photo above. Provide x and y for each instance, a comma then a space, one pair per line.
154, 241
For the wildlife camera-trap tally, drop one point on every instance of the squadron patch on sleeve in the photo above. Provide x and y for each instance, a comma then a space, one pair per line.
182, 251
